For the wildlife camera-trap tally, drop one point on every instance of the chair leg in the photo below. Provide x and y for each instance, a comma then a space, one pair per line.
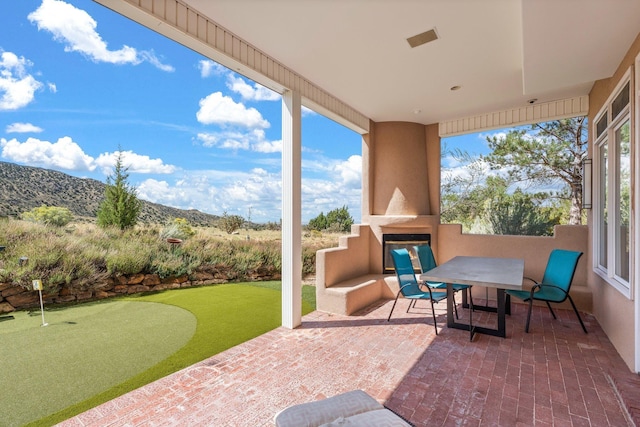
392, 307
551, 310
433, 311
412, 304
526, 328
577, 314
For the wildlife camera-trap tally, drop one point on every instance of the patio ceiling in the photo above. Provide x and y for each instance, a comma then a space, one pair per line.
501, 53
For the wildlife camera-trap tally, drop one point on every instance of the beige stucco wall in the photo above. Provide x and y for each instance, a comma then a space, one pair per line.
614, 311
533, 249
400, 179
401, 183
400, 194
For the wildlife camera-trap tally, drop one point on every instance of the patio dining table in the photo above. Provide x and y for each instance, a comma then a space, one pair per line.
498, 273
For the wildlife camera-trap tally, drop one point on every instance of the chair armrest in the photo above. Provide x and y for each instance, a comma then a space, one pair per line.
409, 284
539, 286
533, 289
550, 286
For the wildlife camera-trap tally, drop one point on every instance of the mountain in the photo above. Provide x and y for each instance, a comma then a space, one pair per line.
23, 188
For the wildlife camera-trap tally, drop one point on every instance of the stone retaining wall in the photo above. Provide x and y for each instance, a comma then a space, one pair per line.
15, 297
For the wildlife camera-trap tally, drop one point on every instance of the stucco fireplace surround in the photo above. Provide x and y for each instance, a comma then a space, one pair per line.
401, 190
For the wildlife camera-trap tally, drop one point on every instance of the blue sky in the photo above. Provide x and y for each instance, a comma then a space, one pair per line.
78, 80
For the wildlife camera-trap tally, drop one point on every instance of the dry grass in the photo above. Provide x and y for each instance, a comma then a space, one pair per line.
79, 254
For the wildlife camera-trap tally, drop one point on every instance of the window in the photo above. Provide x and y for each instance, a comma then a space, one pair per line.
612, 154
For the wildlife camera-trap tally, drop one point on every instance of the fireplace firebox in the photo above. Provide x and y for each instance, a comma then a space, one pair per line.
398, 241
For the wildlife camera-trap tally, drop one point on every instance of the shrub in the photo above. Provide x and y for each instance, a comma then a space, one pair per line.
179, 228
132, 252
174, 263
337, 220
54, 256
125, 261
318, 223
308, 260
49, 215
88, 254
230, 223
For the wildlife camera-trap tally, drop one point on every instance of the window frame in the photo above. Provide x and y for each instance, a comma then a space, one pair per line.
612, 196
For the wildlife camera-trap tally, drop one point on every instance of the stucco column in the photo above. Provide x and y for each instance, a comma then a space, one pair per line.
291, 210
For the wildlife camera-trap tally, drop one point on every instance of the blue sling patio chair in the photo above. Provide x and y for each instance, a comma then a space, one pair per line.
409, 286
427, 262
555, 284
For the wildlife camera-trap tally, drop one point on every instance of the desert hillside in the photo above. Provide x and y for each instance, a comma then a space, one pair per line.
23, 187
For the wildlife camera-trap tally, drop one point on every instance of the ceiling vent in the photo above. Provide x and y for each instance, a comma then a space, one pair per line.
422, 38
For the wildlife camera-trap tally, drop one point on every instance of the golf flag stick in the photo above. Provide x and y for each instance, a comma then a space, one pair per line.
37, 286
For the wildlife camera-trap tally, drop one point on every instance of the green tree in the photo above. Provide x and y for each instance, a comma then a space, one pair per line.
50, 215
337, 219
521, 213
464, 197
318, 223
120, 207
548, 153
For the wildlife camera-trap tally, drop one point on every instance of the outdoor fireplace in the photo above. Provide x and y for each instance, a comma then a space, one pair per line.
398, 241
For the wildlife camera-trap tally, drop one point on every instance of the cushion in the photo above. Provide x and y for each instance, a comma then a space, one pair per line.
377, 418
314, 414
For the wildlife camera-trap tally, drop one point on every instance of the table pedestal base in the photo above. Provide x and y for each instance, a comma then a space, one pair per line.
500, 309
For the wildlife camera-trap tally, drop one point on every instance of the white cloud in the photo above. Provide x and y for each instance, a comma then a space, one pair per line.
229, 140
218, 191
499, 134
307, 111
324, 195
23, 128
52, 87
150, 57
17, 87
255, 140
235, 144
209, 68
268, 146
65, 154
208, 139
135, 163
257, 92
351, 171
76, 29
62, 154
258, 190
222, 110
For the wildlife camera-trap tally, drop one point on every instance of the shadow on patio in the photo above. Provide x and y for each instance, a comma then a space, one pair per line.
555, 375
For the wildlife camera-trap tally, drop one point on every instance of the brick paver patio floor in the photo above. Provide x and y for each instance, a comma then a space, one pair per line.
554, 376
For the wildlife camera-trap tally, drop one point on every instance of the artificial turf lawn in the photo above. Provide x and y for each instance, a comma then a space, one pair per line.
226, 315
82, 351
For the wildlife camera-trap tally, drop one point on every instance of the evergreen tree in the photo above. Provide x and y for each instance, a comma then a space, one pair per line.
521, 214
550, 152
120, 207
318, 223
339, 219
335, 220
